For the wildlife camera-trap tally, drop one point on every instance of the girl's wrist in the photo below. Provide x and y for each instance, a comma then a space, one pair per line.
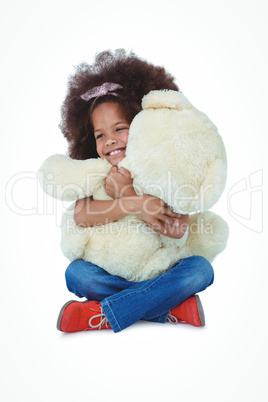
131, 205
129, 192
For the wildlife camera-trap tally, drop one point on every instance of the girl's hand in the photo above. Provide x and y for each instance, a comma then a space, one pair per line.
177, 231
119, 183
160, 217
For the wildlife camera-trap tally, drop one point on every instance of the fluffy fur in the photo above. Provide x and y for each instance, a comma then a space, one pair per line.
175, 153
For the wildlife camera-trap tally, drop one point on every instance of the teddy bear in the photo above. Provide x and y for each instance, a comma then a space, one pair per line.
174, 152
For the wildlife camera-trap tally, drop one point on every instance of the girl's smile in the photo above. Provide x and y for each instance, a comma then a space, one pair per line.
111, 132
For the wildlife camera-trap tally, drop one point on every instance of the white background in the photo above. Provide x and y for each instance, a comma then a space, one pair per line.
218, 52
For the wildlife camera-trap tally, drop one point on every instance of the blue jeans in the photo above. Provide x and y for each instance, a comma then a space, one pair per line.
124, 302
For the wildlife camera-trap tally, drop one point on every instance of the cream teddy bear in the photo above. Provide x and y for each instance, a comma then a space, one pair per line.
174, 152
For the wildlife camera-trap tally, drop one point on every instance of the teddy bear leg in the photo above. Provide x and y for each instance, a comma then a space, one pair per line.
208, 234
158, 263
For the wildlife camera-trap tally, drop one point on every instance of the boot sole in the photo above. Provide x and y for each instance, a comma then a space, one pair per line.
61, 313
63, 309
200, 311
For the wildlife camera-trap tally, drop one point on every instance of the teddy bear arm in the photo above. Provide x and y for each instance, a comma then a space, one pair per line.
68, 179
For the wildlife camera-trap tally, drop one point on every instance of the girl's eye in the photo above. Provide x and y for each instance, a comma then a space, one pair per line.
121, 128
99, 136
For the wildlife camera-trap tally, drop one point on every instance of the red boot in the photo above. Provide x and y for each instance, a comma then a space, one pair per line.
190, 312
80, 316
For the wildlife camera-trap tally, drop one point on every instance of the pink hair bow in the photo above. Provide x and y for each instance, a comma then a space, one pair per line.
104, 89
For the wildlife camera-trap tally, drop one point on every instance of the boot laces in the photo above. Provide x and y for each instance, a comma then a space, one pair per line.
103, 320
173, 320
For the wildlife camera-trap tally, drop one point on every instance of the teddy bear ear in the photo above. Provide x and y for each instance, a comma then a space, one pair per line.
165, 99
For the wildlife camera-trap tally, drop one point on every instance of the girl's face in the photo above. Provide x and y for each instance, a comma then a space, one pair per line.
110, 131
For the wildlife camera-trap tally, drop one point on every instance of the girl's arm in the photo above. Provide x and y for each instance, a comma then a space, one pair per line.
89, 212
120, 184
151, 210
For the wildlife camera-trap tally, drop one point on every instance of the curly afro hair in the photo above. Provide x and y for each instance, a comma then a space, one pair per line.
138, 78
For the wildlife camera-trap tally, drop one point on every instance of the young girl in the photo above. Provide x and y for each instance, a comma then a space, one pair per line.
101, 102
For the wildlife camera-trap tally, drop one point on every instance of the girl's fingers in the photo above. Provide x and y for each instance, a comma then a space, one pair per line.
169, 212
170, 221
113, 169
123, 171
157, 225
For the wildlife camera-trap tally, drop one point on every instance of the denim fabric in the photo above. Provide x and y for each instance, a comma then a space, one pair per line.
124, 302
